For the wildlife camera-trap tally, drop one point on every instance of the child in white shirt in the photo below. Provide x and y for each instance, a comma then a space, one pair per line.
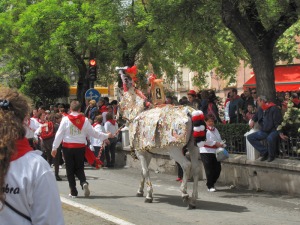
208, 153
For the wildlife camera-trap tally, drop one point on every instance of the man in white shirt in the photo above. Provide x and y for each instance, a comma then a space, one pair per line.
73, 132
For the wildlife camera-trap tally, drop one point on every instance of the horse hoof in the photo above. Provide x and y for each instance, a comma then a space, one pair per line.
148, 200
192, 206
185, 199
139, 194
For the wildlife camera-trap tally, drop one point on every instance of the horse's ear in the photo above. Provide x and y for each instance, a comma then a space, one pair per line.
121, 70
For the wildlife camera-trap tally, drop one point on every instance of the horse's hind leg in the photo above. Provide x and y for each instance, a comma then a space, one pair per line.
145, 159
194, 155
177, 155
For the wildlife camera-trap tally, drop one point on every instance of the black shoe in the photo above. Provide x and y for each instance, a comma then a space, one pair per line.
73, 193
264, 157
58, 178
270, 159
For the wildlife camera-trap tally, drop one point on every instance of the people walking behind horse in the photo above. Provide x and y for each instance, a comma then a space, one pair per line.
208, 153
269, 117
46, 132
96, 142
111, 126
92, 110
28, 193
73, 131
58, 156
31, 125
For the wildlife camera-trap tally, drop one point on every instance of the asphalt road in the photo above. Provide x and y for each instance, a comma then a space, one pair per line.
113, 201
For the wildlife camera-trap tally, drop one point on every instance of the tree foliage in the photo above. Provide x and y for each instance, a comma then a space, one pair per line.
45, 88
59, 36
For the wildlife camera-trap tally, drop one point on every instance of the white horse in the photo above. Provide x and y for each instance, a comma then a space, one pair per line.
151, 132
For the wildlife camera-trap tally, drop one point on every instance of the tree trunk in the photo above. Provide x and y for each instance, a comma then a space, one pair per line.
263, 66
83, 84
259, 41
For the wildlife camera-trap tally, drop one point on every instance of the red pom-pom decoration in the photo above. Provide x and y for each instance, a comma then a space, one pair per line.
198, 117
199, 133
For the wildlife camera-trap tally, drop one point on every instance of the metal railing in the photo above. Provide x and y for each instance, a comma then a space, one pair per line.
236, 142
290, 149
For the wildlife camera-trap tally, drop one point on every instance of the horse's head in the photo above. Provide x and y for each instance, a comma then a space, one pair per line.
128, 76
132, 103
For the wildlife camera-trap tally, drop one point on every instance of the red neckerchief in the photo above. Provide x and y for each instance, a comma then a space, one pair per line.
22, 147
65, 114
210, 128
77, 121
113, 122
95, 124
267, 105
103, 108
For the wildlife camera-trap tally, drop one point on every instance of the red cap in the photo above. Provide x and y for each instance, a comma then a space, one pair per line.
192, 92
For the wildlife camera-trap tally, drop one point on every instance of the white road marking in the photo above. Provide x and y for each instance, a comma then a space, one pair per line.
95, 212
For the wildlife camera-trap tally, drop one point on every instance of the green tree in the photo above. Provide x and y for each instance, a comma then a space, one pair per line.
44, 88
258, 29
60, 36
216, 34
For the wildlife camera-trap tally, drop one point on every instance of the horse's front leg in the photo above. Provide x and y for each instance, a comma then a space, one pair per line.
149, 197
145, 159
140, 192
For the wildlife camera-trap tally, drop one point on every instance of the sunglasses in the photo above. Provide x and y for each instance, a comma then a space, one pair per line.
253, 92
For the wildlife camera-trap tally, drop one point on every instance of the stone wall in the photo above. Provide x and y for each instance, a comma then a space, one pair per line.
280, 176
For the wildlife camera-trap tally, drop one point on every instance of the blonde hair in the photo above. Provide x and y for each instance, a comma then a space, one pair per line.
93, 102
11, 129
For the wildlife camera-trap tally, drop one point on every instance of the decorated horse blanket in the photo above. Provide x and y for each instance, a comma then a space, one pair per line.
161, 126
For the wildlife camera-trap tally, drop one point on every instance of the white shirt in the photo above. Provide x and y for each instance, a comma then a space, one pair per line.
111, 128
69, 133
96, 141
104, 118
211, 138
31, 125
226, 111
31, 188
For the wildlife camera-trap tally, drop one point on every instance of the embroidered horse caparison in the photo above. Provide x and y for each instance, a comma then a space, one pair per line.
164, 129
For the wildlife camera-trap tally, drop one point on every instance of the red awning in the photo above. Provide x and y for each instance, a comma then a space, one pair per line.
287, 78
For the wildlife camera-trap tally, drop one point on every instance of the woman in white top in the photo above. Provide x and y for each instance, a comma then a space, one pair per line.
111, 126
28, 193
208, 153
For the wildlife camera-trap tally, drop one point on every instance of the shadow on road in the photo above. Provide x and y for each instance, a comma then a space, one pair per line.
200, 205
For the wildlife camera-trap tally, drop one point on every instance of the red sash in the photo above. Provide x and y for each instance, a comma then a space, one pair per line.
92, 159
77, 121
22, 147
